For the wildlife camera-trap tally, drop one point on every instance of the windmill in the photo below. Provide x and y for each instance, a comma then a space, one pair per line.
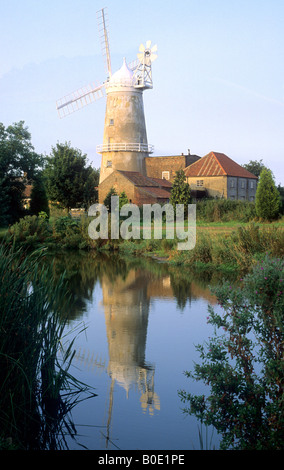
125, 144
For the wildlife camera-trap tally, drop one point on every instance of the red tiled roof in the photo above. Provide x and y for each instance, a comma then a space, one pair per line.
138, 179
217, 164
159, 193
161, 182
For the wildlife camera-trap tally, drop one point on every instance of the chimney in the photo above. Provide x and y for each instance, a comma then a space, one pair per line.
188, 151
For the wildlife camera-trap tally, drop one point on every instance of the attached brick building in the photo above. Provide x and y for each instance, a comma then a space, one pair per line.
138, 188
166, 167
214, 175
219, 176
155, 187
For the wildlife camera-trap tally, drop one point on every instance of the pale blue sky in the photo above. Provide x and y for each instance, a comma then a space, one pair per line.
218, 79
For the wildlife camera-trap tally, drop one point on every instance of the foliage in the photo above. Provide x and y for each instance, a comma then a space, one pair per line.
243, 365
107, 200
71, 233
224, 210
238, 251
19, 163
39, 200
30, 232
255, 167
36, 389
281, 192
123, 199
267, 198
68, 180
180, 192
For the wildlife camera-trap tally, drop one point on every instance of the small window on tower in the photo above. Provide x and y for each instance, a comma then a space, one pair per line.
109, 164
165, 175
111, 122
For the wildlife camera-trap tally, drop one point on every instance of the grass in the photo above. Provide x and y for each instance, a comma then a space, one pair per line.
34, 413
220, 245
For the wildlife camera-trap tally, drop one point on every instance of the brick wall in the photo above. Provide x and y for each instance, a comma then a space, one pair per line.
120, 183
216, 186
229, 187
156, 165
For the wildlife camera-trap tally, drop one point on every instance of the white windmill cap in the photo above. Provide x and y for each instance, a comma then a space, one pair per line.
123, 77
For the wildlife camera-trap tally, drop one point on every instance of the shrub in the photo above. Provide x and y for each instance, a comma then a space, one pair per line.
30, 232
267, 198
243, 364
224, 210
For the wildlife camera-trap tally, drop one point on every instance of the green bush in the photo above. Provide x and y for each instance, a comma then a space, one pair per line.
267, 198
243, 362
30, 232
224, 210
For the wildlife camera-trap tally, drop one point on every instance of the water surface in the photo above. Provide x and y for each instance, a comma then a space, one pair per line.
143, 320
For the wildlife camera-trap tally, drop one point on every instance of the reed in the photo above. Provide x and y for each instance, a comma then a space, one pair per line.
33, 414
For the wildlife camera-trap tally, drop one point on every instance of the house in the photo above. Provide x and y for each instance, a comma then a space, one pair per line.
152, 187
139, 189
27, 196
219, 176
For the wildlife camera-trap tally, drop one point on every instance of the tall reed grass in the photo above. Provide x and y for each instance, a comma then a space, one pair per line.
33, 414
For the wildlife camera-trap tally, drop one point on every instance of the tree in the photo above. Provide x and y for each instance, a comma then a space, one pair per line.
39, 199
255, 167
267, 198
90, 194
68, 180
19, 164
123, 199
180, 193
107, 201
281, 192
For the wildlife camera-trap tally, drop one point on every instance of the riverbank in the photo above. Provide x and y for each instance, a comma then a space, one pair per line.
226, 246
231, 249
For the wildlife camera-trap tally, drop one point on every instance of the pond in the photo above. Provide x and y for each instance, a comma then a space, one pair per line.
143, 320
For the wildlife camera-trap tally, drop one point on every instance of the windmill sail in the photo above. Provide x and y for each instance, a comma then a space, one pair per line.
78, 99
103, 32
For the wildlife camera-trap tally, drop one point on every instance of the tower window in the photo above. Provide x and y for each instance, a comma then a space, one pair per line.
111, 122
109, 164
165, 175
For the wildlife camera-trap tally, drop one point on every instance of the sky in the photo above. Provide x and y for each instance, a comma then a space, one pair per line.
218, 81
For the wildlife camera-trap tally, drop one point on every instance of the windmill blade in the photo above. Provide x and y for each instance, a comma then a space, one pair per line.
78, 99
140, 56
147, 54
104, 38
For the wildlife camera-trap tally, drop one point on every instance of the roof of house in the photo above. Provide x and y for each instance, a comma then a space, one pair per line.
138, 179
158, 193
161, 182
156, 187
217, 164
